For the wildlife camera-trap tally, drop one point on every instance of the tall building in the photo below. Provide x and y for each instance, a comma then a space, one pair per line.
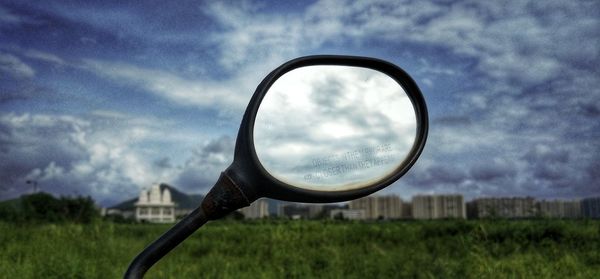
258, 209
368, 204
379, 207
559, 208
390, 207
505, 207
590, 208
438, 206
155, 206
423, 207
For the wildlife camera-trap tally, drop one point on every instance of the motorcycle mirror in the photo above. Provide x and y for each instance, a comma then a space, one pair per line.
317, 129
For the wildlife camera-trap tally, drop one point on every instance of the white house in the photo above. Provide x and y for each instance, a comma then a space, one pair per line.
154, 206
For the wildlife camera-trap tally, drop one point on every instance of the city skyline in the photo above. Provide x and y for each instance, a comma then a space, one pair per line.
104, 99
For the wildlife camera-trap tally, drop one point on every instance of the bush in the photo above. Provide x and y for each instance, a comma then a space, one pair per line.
46, 208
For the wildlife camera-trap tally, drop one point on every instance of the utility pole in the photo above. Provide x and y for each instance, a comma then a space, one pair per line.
34, 183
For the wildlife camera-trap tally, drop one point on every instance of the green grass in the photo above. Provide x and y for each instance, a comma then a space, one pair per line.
311, 249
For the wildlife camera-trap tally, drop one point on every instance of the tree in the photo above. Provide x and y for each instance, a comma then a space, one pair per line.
46, 208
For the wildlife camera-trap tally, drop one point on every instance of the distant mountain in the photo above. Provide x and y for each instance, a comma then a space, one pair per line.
181, 200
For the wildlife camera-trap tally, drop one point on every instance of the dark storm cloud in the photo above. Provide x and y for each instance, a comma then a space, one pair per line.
219, 147
548, 171
547, 154
491, 171
437, 176
98, 155
95, 156
205, 165
163, 163
32, 144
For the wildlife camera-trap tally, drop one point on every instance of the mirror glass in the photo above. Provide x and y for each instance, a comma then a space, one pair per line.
334, 128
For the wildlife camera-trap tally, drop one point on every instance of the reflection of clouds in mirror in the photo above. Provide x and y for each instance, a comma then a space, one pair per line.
331, 128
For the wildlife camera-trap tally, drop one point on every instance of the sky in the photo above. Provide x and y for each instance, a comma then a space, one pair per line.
106, 98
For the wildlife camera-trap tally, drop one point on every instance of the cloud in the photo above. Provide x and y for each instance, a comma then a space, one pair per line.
106, 154
250, 37
13, 66
9, 18
169, 86
529, 63
492, 170
36, 142
205, 164
44, 56
523, 42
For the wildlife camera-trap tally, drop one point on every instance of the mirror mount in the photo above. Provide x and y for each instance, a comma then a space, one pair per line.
251, 177
246, 180
224, 198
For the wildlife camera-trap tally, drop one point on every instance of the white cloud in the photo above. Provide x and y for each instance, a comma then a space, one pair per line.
44, 56
104, 156
255, 38
12, 65
523, 40
179, 90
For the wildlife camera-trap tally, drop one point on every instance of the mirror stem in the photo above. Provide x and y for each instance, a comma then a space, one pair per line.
222, 199
165, 243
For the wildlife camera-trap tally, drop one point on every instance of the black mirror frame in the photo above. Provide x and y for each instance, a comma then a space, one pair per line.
254, 181
246, 180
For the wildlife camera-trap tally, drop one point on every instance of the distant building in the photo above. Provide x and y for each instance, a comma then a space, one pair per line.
368, 205
327, 208
294, 211
314, 210
379, 207
257, 210
155, 206
406, 210
559, 209
347, 214
504, 207
438, 206
183, 203
590, 208
390, 207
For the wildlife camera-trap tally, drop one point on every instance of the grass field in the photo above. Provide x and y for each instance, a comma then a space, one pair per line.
311, 249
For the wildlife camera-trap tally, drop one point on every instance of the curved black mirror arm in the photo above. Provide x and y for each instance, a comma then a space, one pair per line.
163, 245
245, 180
224, 198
